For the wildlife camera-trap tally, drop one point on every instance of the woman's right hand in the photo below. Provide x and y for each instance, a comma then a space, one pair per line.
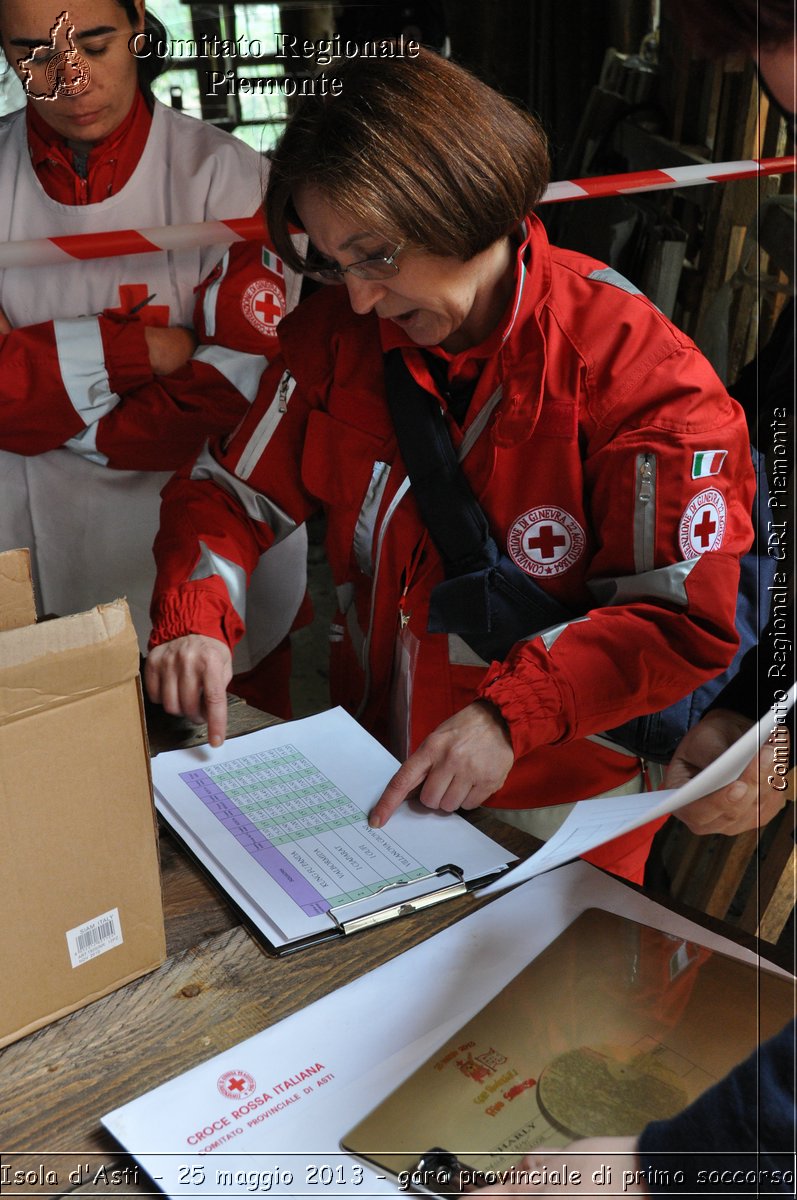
189, 677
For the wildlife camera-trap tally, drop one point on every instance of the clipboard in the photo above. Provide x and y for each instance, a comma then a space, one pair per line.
277, 821
615, 1024
342, 926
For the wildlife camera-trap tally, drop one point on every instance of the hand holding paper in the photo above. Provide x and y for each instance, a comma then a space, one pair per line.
593, 822
753, 799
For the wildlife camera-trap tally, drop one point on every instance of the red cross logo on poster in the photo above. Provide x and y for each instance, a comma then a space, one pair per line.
236, 1084
263, 305
546, 541
702, 526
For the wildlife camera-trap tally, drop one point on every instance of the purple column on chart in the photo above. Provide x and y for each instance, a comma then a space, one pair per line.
254, 842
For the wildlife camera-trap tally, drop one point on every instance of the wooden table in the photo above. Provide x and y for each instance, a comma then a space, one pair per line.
216, 988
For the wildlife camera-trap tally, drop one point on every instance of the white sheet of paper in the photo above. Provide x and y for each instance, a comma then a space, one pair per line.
279, 816
593, 822
305, 1081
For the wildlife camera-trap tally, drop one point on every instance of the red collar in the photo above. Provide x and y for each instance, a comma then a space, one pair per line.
110, 163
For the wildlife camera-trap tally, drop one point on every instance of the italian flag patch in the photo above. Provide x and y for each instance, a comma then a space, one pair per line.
272, 263
707, 462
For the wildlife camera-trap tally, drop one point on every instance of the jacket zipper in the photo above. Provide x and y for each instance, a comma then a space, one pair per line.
645, 513
403, 488
645, 538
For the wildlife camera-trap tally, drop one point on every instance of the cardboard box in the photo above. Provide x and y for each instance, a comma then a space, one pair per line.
79, 872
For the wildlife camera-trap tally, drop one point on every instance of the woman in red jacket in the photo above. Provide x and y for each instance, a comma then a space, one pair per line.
582, 421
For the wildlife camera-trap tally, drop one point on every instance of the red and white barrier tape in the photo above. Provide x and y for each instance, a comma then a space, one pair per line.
674, 177
44, 252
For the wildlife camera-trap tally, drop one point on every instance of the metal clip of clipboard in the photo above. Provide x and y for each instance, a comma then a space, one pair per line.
404, 907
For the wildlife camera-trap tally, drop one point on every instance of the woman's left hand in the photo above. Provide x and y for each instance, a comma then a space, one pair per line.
752, 800
460, 765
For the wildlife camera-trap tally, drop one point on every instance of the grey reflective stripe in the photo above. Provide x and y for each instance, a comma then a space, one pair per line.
345, 596
254, 504
645, 514
231, 574
366, 519
401, 492
608, 275
81, 360
264, 431
610, 745
461, 655
477, 428
85, 444
211, 298
243, 371
665, 583
523, 277
552, 634
356, 635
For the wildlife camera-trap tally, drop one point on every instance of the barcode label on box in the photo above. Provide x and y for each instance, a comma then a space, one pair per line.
94, 938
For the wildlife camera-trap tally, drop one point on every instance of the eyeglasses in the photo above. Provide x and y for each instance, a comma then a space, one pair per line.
379, 267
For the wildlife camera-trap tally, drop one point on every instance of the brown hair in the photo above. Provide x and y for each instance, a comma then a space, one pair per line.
723, 26
415, 149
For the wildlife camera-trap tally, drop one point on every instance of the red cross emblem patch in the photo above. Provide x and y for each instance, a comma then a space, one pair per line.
703, 524
263, 305
545, 541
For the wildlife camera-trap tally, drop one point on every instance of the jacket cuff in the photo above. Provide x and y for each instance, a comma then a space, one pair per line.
194, 609
532, 708
126, 354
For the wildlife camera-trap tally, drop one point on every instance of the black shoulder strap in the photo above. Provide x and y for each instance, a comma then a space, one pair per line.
449, 508
485, 598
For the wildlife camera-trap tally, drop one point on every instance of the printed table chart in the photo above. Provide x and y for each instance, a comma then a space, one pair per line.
302, 829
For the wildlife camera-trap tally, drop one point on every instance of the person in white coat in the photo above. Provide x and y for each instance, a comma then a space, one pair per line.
113, 371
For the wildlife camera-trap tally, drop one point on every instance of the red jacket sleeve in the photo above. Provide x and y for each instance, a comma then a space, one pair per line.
218, 516
59, 377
